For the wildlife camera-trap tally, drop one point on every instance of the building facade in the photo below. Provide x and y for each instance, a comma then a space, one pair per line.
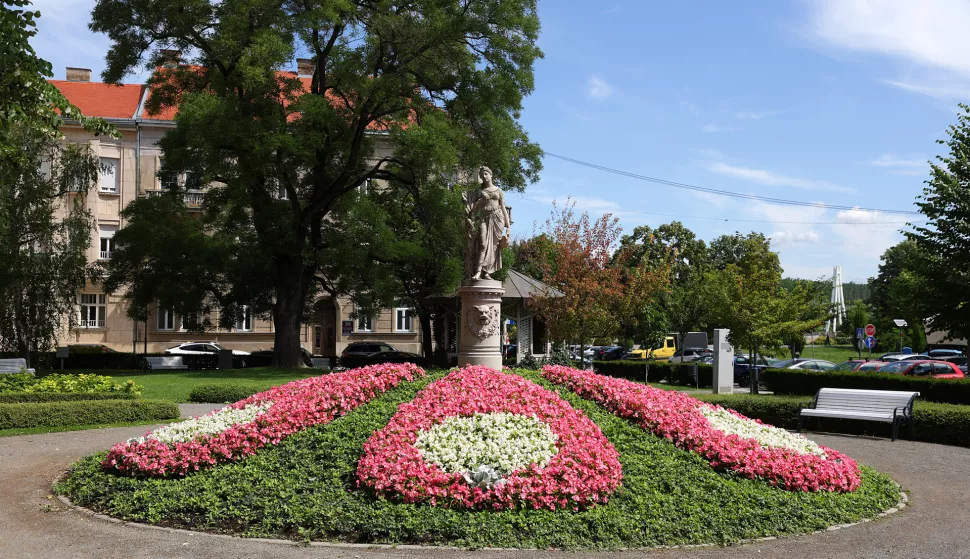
130, 166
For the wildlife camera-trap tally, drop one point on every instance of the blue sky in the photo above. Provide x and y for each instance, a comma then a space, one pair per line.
832, 101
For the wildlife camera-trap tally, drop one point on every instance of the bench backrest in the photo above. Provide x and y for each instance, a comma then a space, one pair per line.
876, 401
165, 361
12, 365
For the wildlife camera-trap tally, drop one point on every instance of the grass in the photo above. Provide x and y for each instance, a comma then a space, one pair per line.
305, 489
835, 354
175, 386
65, 428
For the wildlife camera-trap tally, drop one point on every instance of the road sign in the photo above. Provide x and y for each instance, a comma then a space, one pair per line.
870, 342
860, 333
870, 330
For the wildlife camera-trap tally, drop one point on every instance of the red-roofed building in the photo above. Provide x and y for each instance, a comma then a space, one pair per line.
132, 163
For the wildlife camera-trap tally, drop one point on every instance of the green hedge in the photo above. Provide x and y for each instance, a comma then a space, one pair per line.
933, 422
221, 393
672, 373
86, 412
36, 397
806, 383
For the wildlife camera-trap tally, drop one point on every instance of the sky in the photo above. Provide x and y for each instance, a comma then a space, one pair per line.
820, 101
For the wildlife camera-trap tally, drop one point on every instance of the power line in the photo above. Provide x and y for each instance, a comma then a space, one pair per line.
733, 220
719, 192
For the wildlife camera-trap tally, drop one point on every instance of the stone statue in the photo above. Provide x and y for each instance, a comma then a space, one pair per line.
487, 228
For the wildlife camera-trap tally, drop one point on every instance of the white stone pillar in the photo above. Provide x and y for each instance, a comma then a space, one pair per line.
481, 328
723, 362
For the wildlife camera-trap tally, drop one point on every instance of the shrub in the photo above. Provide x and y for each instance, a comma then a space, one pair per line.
806, 383
85, 412
221, 393
26, 397
933, 422
16, 382
81, 383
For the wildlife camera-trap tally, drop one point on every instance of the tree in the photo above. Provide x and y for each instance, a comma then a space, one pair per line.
535, 255
280, 153
730, 249
598, 289
902, 289
26, 98
44, 233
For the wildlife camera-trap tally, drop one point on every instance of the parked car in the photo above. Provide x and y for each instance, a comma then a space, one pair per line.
75, 349
609, 353
689, 354
859, 365
511, 351
742, 368
360, 354
200, 348
705, 359
924, 368
810, 364
960, 361
891, 357
264, 358
944, 354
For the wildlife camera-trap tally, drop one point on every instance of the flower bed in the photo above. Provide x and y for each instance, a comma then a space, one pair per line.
725, 438
583, 471
263, 419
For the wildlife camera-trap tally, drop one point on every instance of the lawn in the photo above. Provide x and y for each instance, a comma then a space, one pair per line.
835, 354
64, 428
175, 386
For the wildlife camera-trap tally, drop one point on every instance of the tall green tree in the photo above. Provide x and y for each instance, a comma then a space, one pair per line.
256, 132
45, 230
534, 256
903, 290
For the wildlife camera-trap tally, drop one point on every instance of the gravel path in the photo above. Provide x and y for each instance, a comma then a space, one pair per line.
36, 524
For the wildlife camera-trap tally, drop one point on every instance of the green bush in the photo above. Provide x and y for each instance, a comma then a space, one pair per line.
672, 373
806, 383
25, 397
933, 422
81, 383
221, 393
16, 382
85, 412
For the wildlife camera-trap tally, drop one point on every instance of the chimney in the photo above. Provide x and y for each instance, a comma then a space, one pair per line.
78, 74
171, 57
305, 66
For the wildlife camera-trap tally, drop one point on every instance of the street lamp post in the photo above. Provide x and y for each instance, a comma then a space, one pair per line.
900, 323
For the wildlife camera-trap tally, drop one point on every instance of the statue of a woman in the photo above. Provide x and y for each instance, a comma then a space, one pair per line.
487, 227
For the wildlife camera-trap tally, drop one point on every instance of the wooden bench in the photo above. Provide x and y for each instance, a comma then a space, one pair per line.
886, 406
8, 366
165, 362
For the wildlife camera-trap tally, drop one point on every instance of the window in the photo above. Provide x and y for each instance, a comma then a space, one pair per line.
167, 180
403, 320
538, 336
244, 323
366, 186
165, 319
106, 234
93, 310
192, 181
365, 324
109, 175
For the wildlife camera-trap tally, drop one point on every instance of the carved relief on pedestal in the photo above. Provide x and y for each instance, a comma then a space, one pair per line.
483, 321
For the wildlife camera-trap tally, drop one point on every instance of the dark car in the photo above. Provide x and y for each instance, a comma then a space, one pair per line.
361, 354
926, 368
742, 368
76, 349
264, 358
609, 353
960, 361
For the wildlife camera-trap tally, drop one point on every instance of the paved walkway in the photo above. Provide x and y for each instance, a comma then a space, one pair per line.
34, 524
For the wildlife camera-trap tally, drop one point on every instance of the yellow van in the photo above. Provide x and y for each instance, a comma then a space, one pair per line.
662, 353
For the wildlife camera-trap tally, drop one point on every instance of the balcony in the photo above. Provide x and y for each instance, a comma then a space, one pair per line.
91, 324
105, 255
193, 198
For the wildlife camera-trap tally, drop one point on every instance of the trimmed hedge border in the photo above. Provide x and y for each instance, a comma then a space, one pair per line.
222, 393
84, 412
947, 424
806, 383
672, 373
39, 397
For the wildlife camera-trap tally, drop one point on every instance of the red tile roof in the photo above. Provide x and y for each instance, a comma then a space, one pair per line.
102, 99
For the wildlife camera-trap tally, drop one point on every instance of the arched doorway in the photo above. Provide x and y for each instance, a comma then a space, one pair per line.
325, 328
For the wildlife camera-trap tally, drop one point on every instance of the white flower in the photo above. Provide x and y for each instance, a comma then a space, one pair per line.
503, 441
767, 435
216, 422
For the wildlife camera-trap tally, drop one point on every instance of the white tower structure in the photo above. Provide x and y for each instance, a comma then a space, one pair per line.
838, 302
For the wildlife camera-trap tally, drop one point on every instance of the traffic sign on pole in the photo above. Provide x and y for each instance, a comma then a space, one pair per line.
860, 333
870, 342
870, 330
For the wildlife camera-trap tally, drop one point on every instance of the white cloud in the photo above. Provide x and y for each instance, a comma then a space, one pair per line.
789, 237
583, 203
612, 10
926, 32
750, 115
944, 92
711, 128
890, 160
598, 89
770, 178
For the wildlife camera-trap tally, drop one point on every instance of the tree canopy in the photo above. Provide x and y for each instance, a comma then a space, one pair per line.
282, 152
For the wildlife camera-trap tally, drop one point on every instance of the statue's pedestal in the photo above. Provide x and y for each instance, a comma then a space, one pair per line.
481, 323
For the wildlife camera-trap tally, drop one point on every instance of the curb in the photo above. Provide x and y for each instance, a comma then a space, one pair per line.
900, 505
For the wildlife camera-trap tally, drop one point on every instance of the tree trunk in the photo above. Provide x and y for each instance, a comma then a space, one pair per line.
288, 316
427, 342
